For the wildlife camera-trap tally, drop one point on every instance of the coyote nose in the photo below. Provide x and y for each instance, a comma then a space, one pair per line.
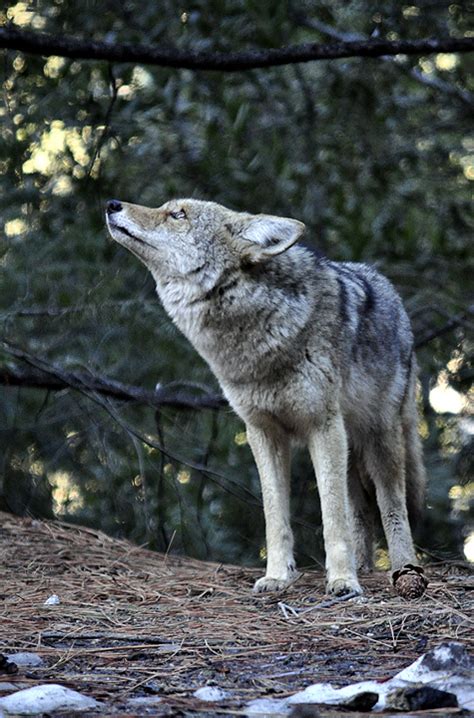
113, 205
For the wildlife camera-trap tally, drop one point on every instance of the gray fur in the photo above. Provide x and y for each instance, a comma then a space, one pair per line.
306, 350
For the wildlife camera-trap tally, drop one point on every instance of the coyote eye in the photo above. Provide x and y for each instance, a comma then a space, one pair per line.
179, 214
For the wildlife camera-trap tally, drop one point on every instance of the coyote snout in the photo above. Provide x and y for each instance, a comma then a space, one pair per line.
306, 350
113, 205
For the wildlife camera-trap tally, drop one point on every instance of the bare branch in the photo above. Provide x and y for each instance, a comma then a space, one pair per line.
45, 44
43, 375
434, 82
230, 485
49, 376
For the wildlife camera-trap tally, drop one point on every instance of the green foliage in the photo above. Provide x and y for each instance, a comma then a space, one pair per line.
375, 161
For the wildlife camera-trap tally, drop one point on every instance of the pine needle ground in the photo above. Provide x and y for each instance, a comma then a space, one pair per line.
132, 622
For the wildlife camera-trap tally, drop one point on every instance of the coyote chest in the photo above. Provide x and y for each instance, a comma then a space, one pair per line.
268, 366
244, 336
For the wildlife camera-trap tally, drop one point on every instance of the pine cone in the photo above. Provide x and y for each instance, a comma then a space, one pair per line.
410, 581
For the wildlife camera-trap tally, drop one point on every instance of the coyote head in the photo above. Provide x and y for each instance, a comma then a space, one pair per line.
192, 239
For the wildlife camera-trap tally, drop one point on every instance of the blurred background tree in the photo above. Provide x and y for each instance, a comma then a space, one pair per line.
376, 156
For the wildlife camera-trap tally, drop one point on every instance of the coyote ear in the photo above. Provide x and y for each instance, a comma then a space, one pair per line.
267, 236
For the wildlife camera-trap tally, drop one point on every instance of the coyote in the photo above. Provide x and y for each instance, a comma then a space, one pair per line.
306, 350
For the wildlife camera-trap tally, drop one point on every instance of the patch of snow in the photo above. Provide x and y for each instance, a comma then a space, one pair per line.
411, 674
53, 600
144, 701
325, 693
25, 659
447, 668
45, 699
210, 693
267, 707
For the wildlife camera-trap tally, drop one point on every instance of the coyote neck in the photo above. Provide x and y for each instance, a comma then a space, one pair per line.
243, 328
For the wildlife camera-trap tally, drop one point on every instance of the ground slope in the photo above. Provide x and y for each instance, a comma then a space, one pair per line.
132, 622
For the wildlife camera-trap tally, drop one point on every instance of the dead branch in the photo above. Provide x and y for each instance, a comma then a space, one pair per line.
66, 46
48, 376
43, 375
433, 82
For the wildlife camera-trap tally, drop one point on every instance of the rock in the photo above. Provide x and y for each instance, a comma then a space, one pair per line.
45, 699
305, 710
423, 698
450, 656
364, 701
153, 686
448, 667
7, 666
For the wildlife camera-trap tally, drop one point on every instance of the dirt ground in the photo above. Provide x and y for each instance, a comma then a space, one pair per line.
132, 623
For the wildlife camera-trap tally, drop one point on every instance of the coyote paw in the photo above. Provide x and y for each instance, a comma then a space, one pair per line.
268, 584
341, 586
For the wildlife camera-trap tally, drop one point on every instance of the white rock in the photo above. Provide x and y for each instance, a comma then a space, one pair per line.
45, 699
53, 600
25, 659
210, 693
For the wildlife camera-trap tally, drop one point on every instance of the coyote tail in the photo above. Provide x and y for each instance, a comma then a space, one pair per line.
414, 467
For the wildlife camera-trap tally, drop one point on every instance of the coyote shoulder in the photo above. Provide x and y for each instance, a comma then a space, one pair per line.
306, 350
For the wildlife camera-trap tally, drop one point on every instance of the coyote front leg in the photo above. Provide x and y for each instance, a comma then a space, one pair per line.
271, 450
328, 449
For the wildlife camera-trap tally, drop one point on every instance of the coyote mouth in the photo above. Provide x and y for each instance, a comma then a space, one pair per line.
127, 232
